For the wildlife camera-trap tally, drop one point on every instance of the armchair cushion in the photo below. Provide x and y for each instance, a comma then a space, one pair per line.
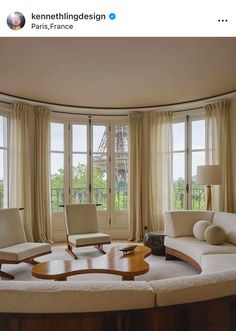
81, 218
89, 239
23, 251
11, 228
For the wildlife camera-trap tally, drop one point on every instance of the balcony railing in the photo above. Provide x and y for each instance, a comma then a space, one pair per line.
80, 195
198, 199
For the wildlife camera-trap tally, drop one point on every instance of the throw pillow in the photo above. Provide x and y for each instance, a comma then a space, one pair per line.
199, 229
214, 235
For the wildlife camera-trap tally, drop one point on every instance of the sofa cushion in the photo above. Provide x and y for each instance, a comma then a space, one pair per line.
72, 297
227, 221
11, 228
213, 263
196, 248
89, 238
188, 289
199, 229
23, 251
214, 235
180, 223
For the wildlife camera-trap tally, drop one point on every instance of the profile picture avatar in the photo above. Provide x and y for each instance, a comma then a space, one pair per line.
16, 21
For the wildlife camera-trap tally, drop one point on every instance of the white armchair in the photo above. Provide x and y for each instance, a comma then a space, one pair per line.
82, 228
13, 245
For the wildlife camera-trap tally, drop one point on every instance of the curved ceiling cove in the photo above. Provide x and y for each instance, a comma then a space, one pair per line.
117, 72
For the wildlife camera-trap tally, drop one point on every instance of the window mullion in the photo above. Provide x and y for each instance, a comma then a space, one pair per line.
188, 163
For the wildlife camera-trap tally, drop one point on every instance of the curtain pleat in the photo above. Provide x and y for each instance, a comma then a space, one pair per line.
42, 180
20, 167
218, 151
150, 172
29, 169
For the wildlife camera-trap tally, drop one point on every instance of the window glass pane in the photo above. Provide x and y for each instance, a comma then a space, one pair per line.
179, 181
121, 181
198, 134
3, 179
99, 139
100, 180
3, 131
79, 178
121, 138
57, 181
79, 140
57, 137
178, 136
198, 191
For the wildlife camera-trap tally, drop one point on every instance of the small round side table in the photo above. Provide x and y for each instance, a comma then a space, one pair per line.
155, 241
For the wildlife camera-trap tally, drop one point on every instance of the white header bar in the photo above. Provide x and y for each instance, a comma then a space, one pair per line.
113, 18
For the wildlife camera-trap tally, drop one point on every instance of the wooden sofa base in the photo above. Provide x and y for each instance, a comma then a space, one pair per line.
172, 254
214, 315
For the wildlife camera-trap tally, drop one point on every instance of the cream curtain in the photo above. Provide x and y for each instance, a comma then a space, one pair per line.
41, 173
218, 151
160, 168
29, 169
150, 145
20, 168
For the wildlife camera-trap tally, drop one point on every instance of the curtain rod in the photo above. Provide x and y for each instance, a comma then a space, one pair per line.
84, 114
120, 108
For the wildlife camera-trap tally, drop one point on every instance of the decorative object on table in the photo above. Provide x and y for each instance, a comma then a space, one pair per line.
155, 241
209, 175
127, 249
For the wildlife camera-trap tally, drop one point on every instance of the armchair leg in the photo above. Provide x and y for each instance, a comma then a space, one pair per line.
100, 248
70, 252
31, 261
5, 275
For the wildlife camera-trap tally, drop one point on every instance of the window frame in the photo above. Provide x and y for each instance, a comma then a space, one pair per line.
188, 117
110, 121
6, 113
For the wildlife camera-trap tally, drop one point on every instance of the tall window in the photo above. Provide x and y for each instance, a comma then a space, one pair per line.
89, 163
188, 153
3, 162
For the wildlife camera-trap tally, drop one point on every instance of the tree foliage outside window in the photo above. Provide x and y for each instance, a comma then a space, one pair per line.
198, 195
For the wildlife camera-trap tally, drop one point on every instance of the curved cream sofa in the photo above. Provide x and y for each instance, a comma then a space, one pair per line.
168, 304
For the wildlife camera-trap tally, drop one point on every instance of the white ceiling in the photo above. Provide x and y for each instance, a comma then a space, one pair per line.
117, 72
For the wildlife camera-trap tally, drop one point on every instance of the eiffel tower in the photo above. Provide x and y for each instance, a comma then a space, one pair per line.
121, 156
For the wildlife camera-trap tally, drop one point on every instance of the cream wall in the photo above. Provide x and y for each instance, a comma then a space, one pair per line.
233, 148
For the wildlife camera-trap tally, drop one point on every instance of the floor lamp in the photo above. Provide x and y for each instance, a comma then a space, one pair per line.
209, 175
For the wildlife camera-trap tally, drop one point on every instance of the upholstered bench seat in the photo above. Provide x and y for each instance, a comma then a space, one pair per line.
23, 251
63, 297
89, 238
213, 263
195, 248
189, 289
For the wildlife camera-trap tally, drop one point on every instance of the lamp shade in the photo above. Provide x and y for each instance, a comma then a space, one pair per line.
209, 175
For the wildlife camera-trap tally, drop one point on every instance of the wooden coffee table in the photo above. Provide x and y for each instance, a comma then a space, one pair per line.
114, 262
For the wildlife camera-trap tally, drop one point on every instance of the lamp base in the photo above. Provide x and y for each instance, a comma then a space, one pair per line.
209, 202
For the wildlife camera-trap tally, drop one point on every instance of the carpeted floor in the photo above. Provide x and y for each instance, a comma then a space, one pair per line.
159, 268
